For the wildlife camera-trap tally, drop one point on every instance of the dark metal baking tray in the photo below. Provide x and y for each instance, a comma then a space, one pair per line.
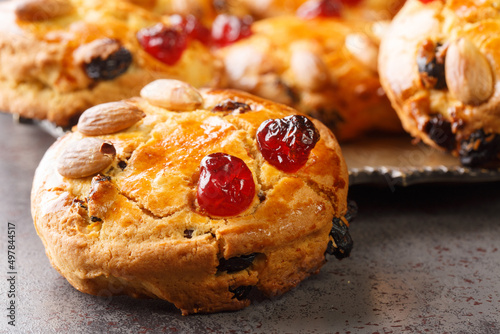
395, 161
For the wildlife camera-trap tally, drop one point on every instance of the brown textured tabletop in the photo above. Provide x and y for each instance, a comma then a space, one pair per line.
426, 259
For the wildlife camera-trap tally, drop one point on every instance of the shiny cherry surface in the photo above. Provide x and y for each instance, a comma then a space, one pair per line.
226, 186
228, 29
163, 43
286, 143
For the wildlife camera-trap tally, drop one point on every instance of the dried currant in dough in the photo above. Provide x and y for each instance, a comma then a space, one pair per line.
188, 233
167, 44
431, 67
109, 67
286, 143
226, 186
440, 131
228, 29
122, 164
236, 263
323, 8
241, 292
341, 245
232, 106
480, 149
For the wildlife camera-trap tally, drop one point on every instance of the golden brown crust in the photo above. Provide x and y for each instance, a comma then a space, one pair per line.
42, 73
205, 10
137, 246
365, 9
324, 68
464, 37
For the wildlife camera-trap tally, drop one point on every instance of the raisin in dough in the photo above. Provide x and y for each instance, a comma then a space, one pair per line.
440, 66
126, 214
48, 46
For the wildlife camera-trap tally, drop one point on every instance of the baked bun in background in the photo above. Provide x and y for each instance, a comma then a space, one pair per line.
192, 197
323, 67
351, 9
204, 10
440, 66
59, 58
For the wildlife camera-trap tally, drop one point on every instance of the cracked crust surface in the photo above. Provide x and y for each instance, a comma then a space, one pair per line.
138, 246
42, 74
443, 22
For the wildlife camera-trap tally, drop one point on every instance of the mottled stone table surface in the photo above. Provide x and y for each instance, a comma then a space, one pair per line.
426, 259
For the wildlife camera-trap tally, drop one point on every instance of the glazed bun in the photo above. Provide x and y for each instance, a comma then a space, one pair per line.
194, 197
440, 66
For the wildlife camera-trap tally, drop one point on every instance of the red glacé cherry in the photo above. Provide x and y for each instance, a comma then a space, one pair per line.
226, 186
164, 43
193, 28
228, 29
286, 143
320, 8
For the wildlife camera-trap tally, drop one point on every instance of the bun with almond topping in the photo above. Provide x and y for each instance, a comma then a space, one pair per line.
59, 58
323, 67
194, 197
440, 66
351, 9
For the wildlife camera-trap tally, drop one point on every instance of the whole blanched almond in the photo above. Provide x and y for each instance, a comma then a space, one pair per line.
173, 95
468, 73
40, 10
363, 49
308, 68
243, 65
109, 118
85, 157
379, 29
